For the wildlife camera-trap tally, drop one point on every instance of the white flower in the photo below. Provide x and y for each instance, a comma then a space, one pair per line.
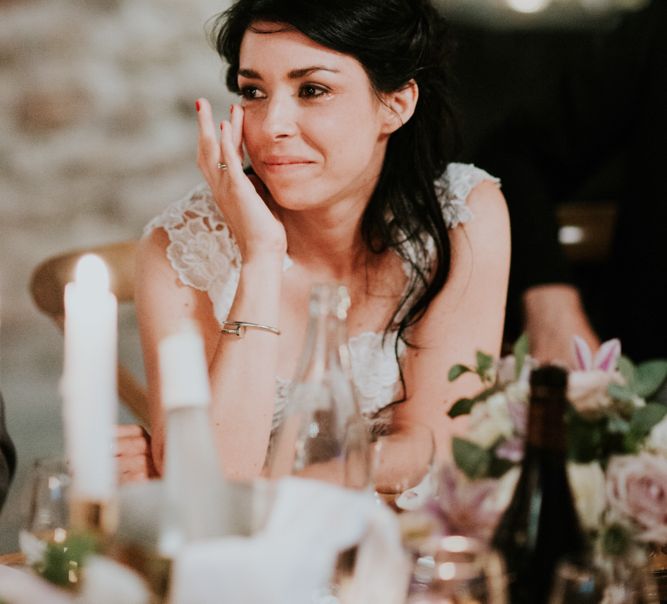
657, 439
489, 421
588, 488
637, 493
587, 390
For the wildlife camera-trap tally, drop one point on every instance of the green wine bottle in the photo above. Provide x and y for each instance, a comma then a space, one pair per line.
541, 527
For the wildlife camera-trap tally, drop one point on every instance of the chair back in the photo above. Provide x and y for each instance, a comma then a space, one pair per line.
47, 286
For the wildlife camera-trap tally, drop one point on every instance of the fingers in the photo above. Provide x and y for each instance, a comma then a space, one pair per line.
229, 152
208, 152
236, 119
133, 454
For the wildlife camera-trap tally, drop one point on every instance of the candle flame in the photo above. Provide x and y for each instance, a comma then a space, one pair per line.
92, 273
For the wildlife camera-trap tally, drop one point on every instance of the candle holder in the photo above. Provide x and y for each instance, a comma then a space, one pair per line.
99, 518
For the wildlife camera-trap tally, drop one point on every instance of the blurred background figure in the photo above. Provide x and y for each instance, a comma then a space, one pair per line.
7, 456
562, 114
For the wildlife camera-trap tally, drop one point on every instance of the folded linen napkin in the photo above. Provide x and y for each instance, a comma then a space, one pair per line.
291, 561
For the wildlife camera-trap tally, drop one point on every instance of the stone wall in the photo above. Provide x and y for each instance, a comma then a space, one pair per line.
98, 133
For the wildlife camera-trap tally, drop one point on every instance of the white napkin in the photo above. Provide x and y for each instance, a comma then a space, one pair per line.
292, 559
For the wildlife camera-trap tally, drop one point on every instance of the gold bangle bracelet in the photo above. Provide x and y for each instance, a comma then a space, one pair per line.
238, 328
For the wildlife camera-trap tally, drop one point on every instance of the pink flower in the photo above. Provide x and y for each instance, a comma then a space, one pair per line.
472, 507
637, 492
606, 358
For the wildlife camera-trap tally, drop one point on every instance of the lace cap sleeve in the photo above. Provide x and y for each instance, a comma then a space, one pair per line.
201, 248
453, 188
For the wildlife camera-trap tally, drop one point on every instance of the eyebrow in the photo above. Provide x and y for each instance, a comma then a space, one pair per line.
295, 74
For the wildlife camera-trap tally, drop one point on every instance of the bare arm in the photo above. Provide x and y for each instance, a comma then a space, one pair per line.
466, 316
242, 370
554, 314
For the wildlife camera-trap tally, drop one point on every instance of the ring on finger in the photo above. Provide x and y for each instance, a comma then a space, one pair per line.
222, 166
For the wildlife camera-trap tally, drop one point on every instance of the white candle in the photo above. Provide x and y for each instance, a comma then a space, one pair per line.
89, 380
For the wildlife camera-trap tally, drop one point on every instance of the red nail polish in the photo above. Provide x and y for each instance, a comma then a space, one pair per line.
197, 106
222, 124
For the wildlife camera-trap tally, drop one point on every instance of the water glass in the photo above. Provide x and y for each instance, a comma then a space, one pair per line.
402, 467
47, 518
457, 570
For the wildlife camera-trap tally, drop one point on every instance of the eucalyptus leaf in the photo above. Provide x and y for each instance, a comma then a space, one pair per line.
649, 376
499, 467
457, 371
520, 352
461, 407
618, 425
627, 369
646, 417
484, 363
473, 460
621, 393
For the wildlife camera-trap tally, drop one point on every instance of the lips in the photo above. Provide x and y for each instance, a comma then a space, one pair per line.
285, 161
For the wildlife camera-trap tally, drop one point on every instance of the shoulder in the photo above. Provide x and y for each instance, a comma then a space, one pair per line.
457, 187
197, 205
192, 235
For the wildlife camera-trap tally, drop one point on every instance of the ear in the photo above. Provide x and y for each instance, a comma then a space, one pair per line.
399, 106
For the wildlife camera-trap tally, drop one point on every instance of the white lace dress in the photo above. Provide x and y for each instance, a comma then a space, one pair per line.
205, 256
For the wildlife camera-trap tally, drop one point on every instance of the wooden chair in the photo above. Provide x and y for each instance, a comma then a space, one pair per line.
47, 286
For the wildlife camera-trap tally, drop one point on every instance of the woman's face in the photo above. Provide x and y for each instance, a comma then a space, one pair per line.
314, 130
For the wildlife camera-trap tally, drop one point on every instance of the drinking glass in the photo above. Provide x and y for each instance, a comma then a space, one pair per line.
577, 584
586, 584
457, 570
47, 518
402, 468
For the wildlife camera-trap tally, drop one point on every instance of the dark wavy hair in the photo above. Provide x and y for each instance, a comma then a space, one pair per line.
395, 41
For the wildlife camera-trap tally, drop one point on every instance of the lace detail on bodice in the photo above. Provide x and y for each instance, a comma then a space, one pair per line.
205, 256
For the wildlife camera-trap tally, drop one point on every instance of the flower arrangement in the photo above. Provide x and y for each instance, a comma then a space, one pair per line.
616, 442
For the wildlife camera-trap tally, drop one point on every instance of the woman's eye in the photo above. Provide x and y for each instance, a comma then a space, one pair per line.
251, 92
312, 91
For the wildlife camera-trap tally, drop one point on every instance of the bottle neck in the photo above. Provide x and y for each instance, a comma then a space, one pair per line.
546, 422
325, 349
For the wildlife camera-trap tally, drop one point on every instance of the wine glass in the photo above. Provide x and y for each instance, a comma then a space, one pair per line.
402, 468
457, 570
48, 512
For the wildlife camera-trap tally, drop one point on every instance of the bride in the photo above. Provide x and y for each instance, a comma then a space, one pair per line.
344, 116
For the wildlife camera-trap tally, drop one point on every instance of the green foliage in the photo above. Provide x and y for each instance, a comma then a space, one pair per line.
62, 562
615, 540
520, 352
645, 418
464, 405
649, 376
473, 460
457, 371
461, 407
484, 365
585, 438
621, 393
627, 369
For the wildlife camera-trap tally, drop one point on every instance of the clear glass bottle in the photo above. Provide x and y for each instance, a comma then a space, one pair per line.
322, 434
197, 501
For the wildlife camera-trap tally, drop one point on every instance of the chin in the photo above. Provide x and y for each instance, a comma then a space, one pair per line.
293, 197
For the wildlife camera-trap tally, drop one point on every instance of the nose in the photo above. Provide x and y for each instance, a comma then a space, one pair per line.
280, 119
